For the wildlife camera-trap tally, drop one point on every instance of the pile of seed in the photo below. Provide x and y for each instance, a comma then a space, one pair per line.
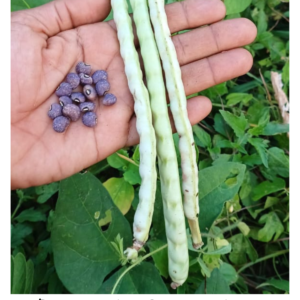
74, 104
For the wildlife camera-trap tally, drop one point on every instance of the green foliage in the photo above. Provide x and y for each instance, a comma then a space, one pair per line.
69, 236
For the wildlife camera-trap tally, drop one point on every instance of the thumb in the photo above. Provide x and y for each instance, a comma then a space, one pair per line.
61, 15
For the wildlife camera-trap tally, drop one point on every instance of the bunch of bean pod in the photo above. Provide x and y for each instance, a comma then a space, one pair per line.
153, 47
73, 102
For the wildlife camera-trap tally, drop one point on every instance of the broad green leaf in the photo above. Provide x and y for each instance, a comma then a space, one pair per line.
215, 284
220, 125
282, 284
132, 175
229, 273
25, 4
116, 161
55, 286
160, 258
224, 250
216, 91
262, 123
274, 128
244, 228
29, 277
246, 192
205, 270
278, 162
235, 98
238, 124
18, 233
241, 248
262, 22
267, 187
44, 248
256, 111
121, 193
236, 6
142, 279
260, 145
203, 139
19, 279
252, 160
271, 201
31, 215
46, 191
83, 253
217, 184
273, 226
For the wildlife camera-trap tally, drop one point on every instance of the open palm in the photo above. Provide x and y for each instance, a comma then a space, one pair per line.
47, 42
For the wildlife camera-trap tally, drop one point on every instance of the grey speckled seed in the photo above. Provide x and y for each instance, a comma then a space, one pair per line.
55, 111
86, 106
109, 99
73, 79
60, 123
102, 86
89, 119
82, 67
89, 92
64, 89
99, 75
85, 79
71, 111
64, 100
78, 97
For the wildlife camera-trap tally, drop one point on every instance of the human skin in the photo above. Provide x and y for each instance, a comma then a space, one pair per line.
48, 41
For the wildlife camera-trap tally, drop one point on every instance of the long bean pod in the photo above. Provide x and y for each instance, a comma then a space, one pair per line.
178, 107
144, 212
167, 161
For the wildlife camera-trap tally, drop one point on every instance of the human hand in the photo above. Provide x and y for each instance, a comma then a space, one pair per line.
48, 41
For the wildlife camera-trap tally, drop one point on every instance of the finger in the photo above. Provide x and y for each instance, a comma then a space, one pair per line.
202, 74
198, 108
191, 13
209, 40
61, 15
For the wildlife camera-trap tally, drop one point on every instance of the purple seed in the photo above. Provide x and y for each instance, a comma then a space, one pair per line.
86, 106
60, 123
89, 92
89, 119
82, 67
102, 86
73, 79
109, 99
64, 89
99, 75
85, 79
55, 111
71, 111
78, 97
64, 100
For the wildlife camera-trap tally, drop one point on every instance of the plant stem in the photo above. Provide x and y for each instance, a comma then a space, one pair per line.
262, 259
135, 264
16, 209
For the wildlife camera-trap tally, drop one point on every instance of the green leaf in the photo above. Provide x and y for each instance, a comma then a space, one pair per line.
235, 98
274, 128
224, 250
260, 145
132, 175
116, 161
217, 184
238, 124
22, 275
278, 162
282, 284
160, 258
273, 226
267, 187
121, 192
220, 125
205, 270
262, 23
18, 233
262, 123
256, 112
215, 284
236, 6
31, 215
46, 191
142, 279
25, 4
241, 248
55, 286
80, 245
203, 139
229, 273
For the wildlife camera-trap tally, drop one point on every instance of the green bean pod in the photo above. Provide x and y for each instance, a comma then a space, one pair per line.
144, 212
167, 161
178, 105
